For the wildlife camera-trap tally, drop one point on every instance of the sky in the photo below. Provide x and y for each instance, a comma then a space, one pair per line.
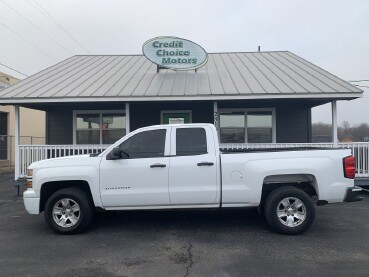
333, 34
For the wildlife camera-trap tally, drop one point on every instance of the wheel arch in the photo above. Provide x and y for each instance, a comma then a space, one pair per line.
305, 182
48, 188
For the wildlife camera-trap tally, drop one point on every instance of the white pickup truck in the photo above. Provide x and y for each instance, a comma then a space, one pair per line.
182, 167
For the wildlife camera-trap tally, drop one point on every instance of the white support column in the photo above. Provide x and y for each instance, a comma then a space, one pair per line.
216, 116
334, 123
16, 142
127, 119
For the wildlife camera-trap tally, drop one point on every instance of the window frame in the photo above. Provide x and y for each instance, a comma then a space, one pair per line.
245, 111
100, 113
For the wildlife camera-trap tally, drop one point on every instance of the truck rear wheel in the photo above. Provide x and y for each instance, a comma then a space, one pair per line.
68, 211
289, 210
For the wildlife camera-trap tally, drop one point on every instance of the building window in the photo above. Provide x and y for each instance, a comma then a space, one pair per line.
98, 127
232, 127
247, 126
259, 127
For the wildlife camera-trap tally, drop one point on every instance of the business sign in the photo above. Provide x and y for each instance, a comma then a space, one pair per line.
175, 53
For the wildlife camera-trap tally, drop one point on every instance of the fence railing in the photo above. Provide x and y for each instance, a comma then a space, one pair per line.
32, 153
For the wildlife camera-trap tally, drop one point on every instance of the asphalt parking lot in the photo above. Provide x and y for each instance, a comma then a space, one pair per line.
184, 243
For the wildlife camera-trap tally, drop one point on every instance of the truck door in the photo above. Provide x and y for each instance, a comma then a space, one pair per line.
141, 178
193, 167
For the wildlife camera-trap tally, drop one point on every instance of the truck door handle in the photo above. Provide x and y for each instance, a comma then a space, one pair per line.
205, 164
158, 165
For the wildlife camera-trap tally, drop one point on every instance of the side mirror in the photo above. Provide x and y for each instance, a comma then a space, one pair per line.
115, 154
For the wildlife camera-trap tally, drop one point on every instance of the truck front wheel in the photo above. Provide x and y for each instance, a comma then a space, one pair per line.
289, 210
68, 211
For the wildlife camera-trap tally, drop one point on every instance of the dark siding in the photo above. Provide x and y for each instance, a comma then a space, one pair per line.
293, 119
60, 126
310, 127
146, 113
293, 124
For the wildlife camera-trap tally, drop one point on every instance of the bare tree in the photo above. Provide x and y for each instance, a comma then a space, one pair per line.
346, 132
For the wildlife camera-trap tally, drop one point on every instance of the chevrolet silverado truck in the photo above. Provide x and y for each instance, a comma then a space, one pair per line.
182, 167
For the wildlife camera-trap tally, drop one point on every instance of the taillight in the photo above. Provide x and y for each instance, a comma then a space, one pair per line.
349, 168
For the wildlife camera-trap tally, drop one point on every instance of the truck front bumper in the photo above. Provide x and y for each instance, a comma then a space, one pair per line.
353, 194
31, 202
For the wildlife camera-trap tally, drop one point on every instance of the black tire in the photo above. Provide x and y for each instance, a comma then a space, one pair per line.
84, 215
274, 202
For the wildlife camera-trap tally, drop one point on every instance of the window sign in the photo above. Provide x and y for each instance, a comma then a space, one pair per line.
176, 120
175, 117
175, 53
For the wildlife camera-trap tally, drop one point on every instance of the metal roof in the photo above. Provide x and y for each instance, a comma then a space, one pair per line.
252, 75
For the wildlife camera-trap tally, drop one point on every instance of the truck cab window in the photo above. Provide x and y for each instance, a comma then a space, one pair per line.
147, 144
191, 141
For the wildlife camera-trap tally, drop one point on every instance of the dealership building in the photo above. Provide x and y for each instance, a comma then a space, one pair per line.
251, 97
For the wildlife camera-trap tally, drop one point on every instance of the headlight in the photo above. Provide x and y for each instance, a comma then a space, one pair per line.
29, 178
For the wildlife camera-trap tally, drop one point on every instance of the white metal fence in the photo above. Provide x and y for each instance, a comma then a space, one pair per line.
31, 153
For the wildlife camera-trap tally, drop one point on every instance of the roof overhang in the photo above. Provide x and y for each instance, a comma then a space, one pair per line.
333, 96
226, 76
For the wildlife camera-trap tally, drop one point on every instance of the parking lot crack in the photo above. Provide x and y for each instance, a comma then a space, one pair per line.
190, 260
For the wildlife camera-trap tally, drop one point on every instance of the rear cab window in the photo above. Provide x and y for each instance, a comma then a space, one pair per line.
191, 141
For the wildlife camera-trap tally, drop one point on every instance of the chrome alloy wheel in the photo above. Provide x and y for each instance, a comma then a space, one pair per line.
66, 212
291, 211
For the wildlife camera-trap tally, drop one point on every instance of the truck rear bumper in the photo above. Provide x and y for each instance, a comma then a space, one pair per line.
353, 194
31, 202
